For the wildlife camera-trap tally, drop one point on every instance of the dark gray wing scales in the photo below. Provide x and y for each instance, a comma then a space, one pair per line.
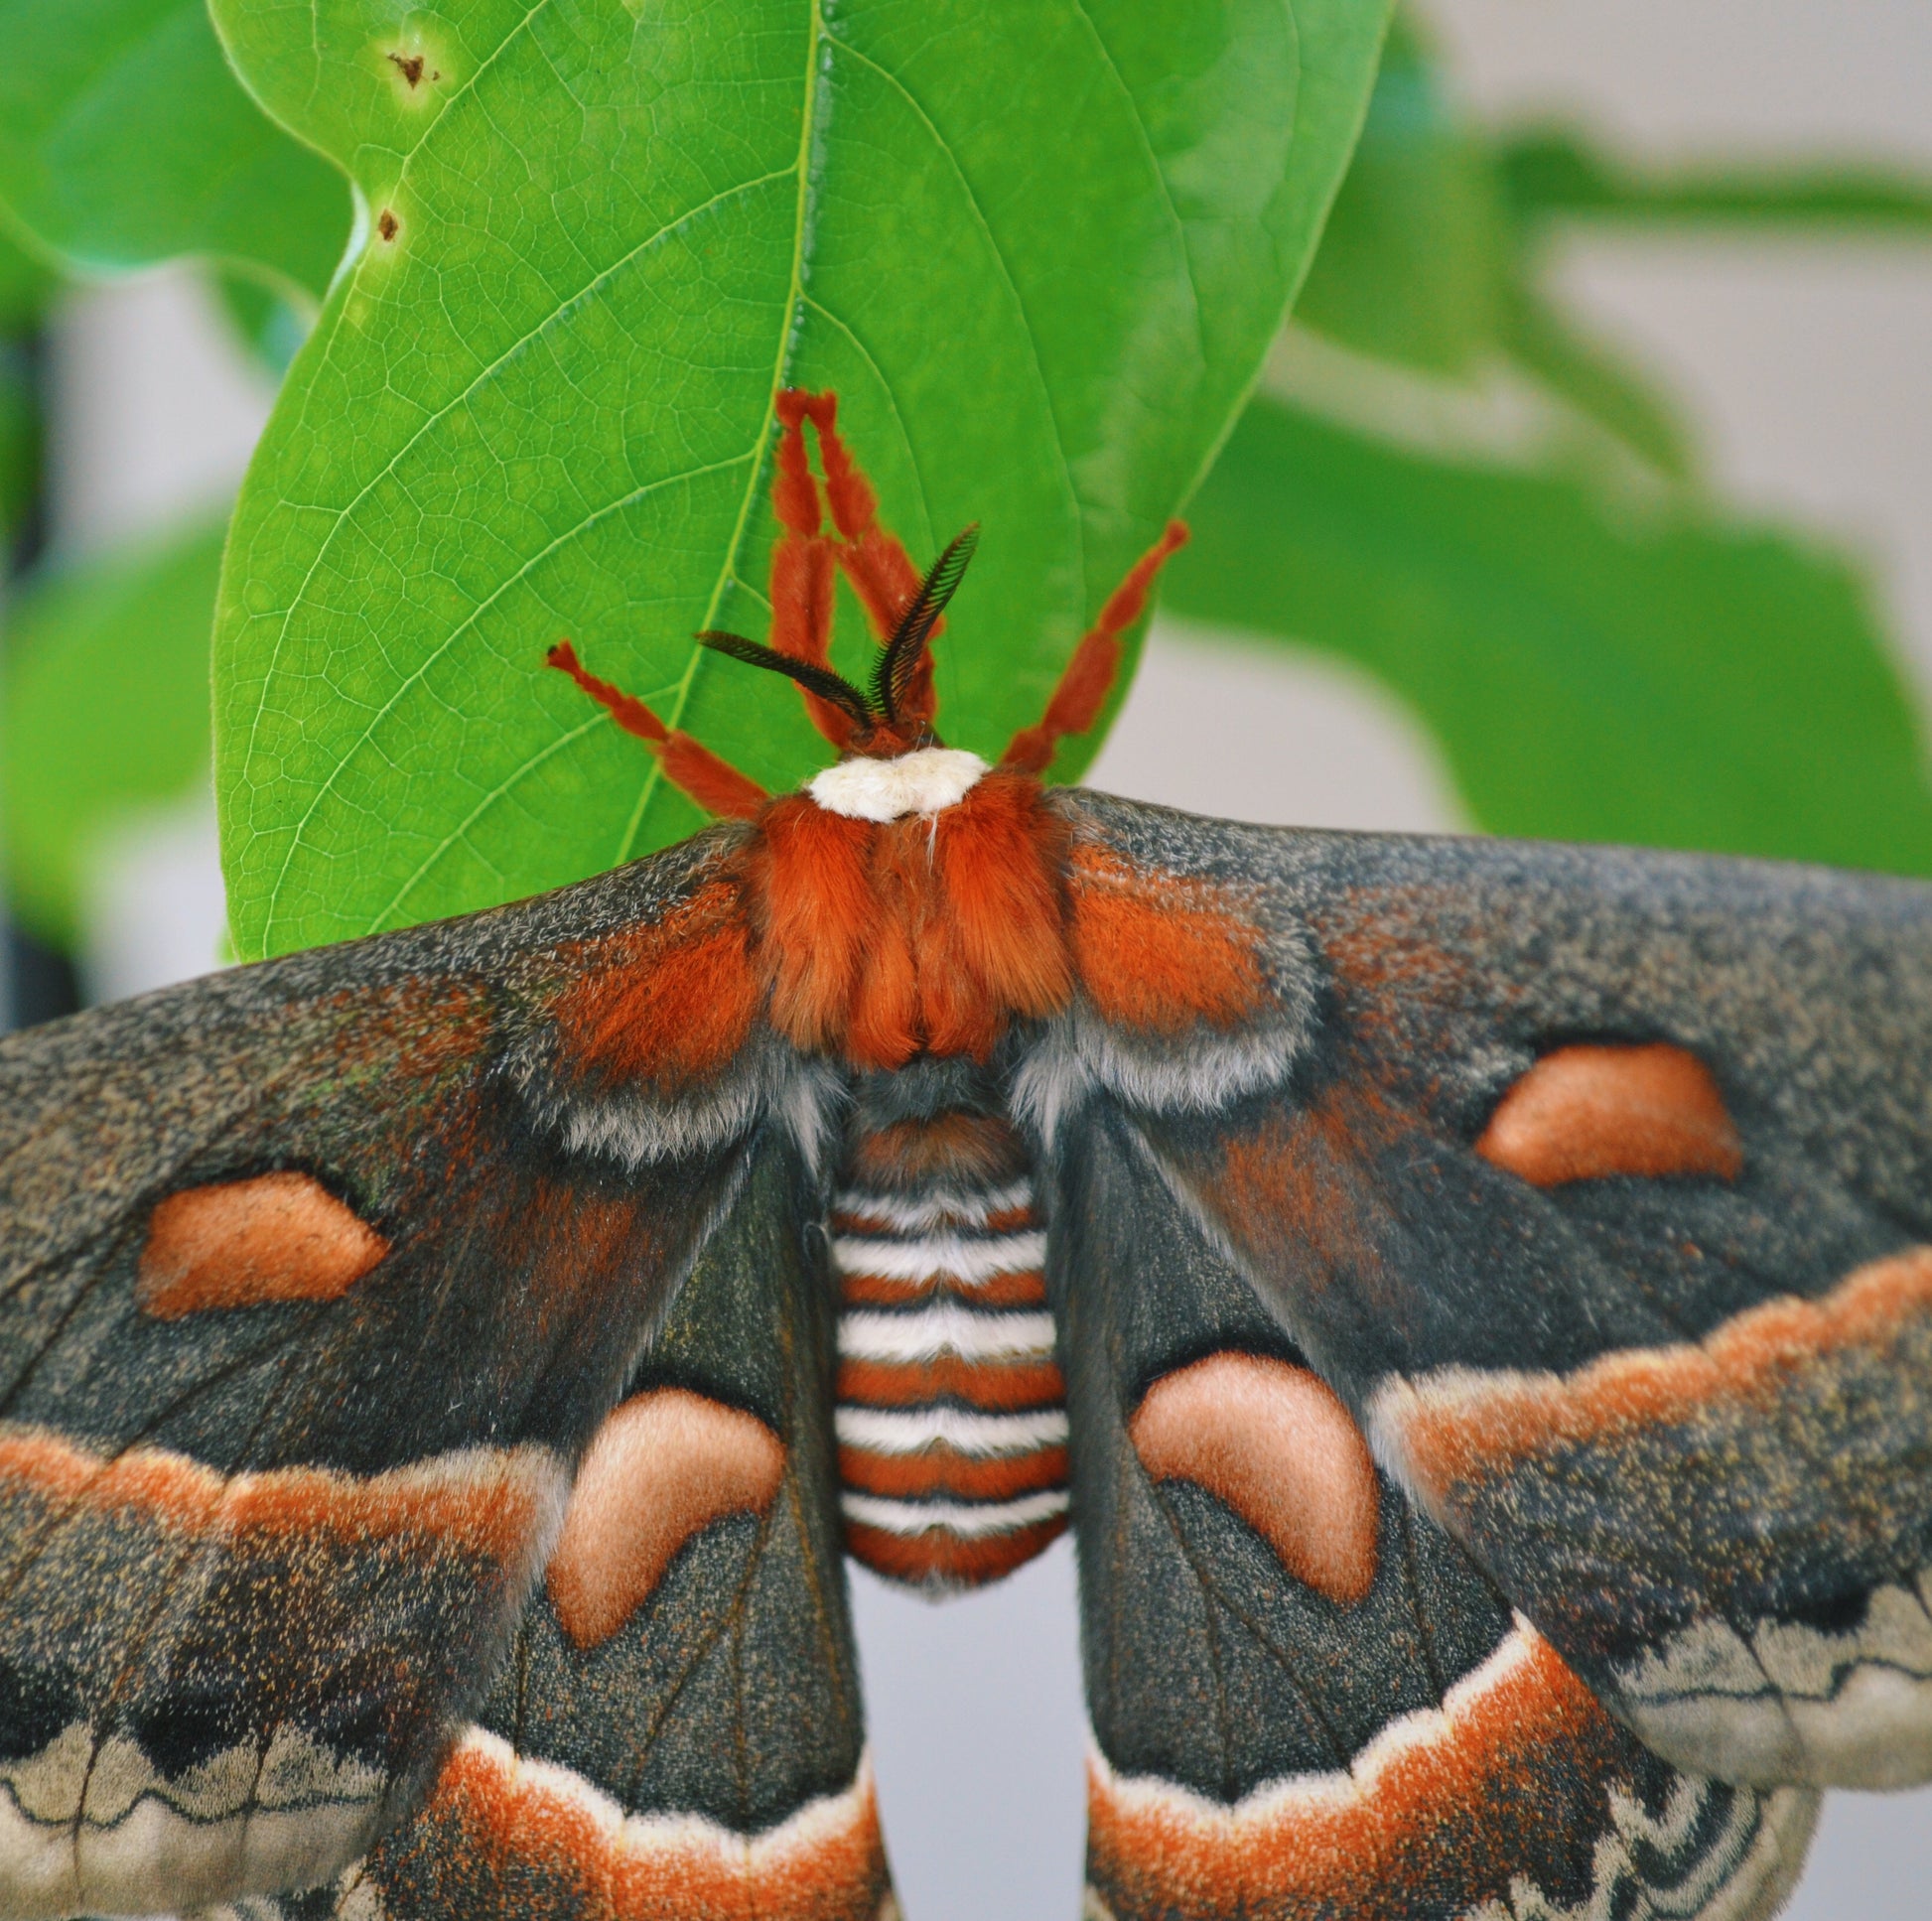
1306, 1699
315, 1280
1597, 1186
677, 1729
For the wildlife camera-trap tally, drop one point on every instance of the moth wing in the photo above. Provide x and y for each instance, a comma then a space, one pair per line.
1595, 1183
1304, 1697
315, 1279
677, 1729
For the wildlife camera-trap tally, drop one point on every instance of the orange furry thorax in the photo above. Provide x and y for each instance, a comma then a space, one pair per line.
873, 942
878, 939
928, 934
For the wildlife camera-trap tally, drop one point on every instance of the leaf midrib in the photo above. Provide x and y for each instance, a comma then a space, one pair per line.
680, 699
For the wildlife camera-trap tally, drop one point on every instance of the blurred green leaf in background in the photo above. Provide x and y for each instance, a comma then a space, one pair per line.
1590, 673
1449, 485
125, 139
103, 715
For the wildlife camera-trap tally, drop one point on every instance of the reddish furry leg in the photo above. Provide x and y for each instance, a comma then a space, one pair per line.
879, 567
1083, 691
802, 565
691, 767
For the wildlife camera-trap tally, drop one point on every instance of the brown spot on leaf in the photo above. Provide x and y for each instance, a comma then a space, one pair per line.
387, 226
243, 1243
661, 1468
410, 67
1582, 1112
1275, 1444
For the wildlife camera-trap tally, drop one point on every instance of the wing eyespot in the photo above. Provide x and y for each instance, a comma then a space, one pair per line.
1584, 1113
272, 1238
663, 1467
1275, 1444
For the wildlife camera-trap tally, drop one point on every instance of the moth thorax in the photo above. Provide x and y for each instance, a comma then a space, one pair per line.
921, 782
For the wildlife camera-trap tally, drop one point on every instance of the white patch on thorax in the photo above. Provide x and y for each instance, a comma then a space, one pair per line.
914, 783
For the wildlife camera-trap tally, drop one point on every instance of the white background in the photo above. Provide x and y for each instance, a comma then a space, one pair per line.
1805, 367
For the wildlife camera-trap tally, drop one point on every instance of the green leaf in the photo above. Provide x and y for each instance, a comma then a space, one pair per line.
26, 285
1037, 246
125, 139
1596, 380
1416, 262
1551, 174
1595, 669
106, 713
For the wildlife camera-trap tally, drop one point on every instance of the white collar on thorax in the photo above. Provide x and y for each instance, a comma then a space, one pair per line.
920, 783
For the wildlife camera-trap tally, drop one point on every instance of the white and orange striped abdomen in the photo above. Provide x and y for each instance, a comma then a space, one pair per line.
951, 1415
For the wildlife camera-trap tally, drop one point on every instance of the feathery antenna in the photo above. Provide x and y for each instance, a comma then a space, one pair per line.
892, 675
822, 681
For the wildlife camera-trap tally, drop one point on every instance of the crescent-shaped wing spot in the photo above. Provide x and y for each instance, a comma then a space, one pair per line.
1275, 1444
1582, 1112
663, 1467
277, 1237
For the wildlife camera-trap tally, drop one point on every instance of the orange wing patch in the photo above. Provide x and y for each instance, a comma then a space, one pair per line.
1275, 1444
667, 1004
661, 1468
1432, 1814
1158, 951
278, 1237
484, 1503
1472, 1426
496, 1822
1582, 1112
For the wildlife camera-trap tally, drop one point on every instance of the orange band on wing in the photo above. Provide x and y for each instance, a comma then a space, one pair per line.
1467, 1426
493, 1821
485, 1502
1439, 1814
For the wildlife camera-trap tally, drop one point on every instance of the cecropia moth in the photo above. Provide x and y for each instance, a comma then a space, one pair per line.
1471, 1302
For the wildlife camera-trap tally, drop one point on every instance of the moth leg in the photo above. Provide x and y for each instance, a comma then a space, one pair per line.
1077, 700
880, 569
689, 766
803, 561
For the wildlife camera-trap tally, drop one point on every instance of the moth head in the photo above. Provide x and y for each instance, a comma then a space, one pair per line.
891, 717
891, 763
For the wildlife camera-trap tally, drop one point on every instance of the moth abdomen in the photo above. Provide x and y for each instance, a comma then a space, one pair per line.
951, 1416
